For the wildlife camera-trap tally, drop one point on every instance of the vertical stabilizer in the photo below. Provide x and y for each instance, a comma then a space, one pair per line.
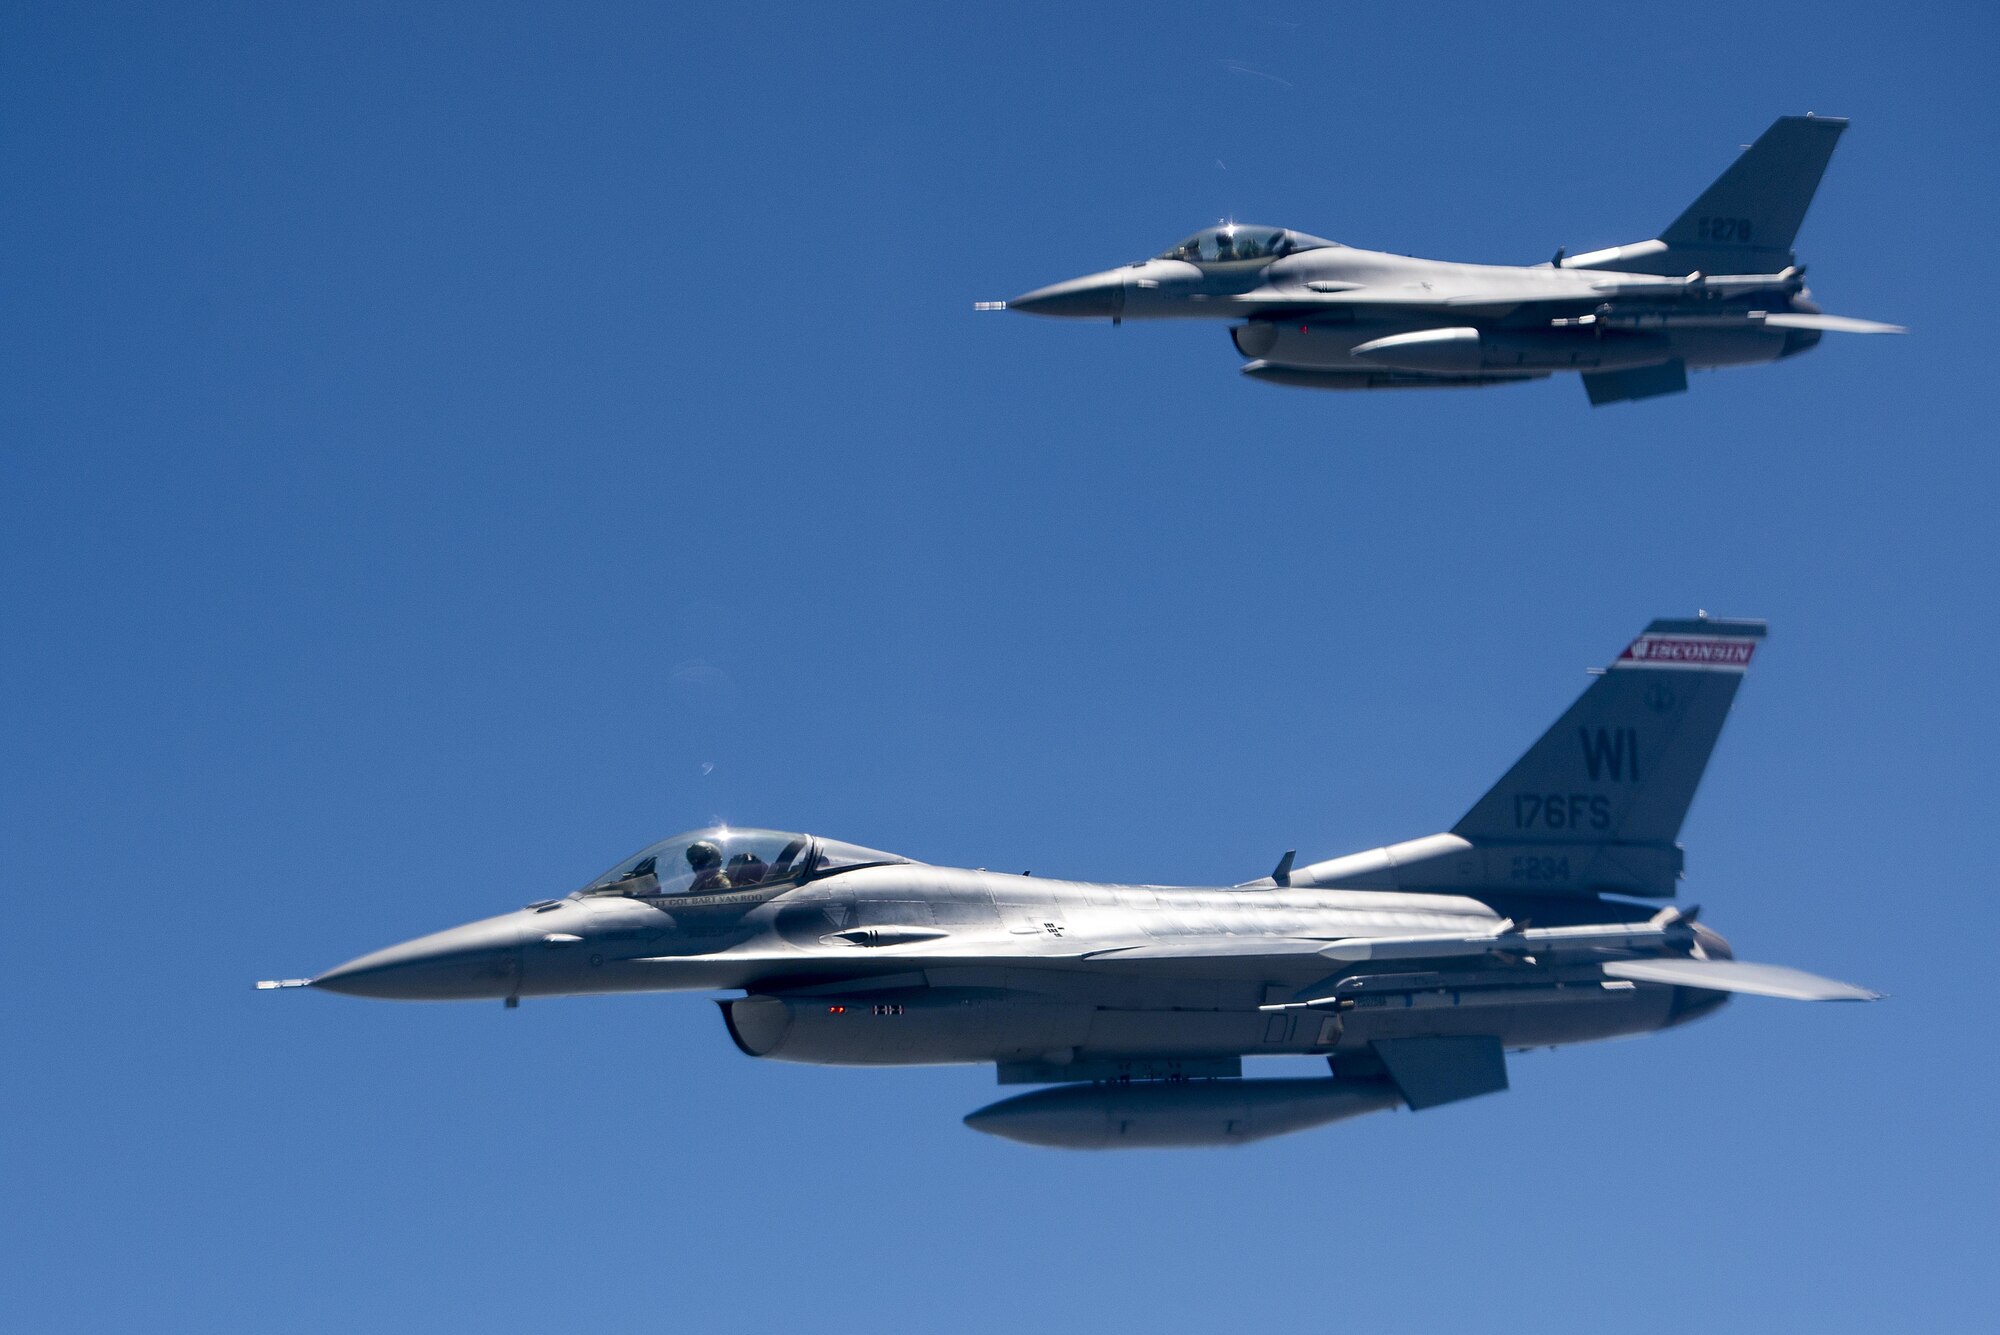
1758, 204
1595, 806
1745, 222
1621, 766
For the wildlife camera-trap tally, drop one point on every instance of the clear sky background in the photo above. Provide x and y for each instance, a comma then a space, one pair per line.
448, 448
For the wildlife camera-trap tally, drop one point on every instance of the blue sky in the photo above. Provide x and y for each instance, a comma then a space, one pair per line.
448, 448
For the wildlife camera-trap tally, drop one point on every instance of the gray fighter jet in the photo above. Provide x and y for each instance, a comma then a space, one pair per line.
1411, 969
1719, 287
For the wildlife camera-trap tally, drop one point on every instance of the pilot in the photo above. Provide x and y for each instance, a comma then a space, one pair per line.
746, 869
706, 860
1225, 246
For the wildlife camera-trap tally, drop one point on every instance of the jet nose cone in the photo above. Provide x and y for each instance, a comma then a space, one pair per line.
479, 960
1097, 297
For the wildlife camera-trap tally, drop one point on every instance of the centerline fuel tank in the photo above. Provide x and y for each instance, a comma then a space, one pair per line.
1166, 1114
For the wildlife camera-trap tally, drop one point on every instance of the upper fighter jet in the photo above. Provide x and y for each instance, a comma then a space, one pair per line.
1719, 287
1412, 969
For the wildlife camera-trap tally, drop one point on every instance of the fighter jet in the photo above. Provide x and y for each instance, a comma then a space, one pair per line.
1719, 287
1412, 970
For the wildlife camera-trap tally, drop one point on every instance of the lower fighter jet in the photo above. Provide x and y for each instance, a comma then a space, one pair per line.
1719, 287
1412, 969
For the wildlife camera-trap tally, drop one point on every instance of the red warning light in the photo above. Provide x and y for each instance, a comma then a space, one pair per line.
836, 1010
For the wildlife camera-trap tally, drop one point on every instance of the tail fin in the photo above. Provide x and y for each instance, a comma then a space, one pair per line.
1617, 771
1594, 807
1758, 204
1745, 222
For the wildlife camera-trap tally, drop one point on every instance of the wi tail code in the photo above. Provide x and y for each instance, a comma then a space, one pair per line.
1611, 752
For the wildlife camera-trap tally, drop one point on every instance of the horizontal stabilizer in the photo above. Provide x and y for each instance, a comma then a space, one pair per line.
1761, 980
1832, 324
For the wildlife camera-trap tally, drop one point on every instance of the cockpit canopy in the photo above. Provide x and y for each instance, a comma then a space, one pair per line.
1233, 242
721, 859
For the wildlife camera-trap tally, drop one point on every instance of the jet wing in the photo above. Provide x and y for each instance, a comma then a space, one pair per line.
1213, 947
1499, 290
1647, 303
1762, 980
876, 958
1498, 298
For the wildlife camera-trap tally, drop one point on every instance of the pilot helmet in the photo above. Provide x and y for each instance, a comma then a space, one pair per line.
702, 855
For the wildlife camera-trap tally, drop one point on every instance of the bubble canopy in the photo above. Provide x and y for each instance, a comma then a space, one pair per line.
1234, 242
721, 859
